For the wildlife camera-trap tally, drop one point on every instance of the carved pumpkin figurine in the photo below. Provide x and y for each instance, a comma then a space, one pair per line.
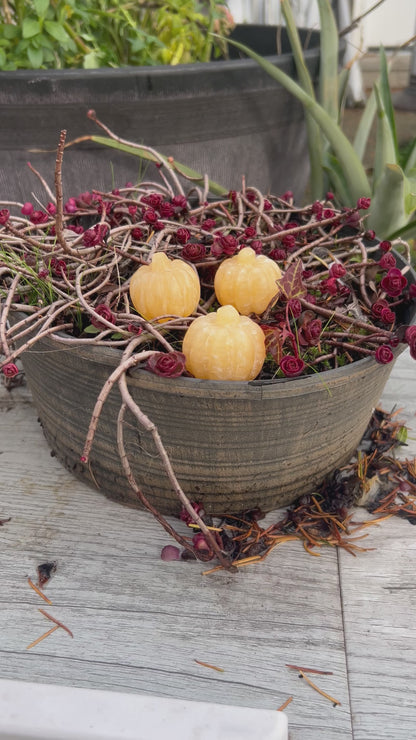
165, 287
224, 346
247, 281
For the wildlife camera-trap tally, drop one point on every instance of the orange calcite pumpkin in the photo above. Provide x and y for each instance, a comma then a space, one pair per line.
224, 346
247, 281
165, 287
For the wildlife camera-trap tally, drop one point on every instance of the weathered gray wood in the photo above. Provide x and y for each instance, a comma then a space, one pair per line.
379, 603
140, 623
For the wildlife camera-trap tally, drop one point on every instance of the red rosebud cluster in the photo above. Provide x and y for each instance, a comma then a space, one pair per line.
4, 216
228, 244
150, 216
387, 261
310, 330
277, 254
153, 200
167, 365
291, 366
185, 516
182, 235
383, 354
410, 338
10, 370
106, 314
96, 235
137, 234
166, 210
394, 282
337, 270
388, 316
39, 217
179, 202
385, 246
208, 224
363, 204
193, 252
378, 306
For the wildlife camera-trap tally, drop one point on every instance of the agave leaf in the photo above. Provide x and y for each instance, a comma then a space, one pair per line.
355, 175
328, 76
143, 153
390, 207
406, 232
343, 79
411, 159
385, 94
365, 125
316, 180
336, 177
385, 144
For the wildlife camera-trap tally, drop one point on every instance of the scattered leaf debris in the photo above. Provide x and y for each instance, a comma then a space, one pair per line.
4, 521
208, 665
285, 704
335, 702
45, 572
308, 670
59, 624
42, 637
38, 591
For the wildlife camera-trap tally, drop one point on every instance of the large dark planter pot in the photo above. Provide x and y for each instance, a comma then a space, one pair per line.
233, 445
226, 118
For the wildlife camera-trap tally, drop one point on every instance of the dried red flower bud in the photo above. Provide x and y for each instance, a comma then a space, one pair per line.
394, 282
96, 235
251, 197
132, 210
185, 516
306, 274
229, 244
337, 270
232, 195
72, 227
317, 208
10, 370
291, 366
329, 286
150, 216
363, 204
267, 205
134, 329
385, 246
43, 273
387, 261
183, 235
410, 334
84, 199
59, 267
166, 210
330, 195
4, 216
310, 332
328, 213
295, 307
378, 307
249, 232
287, 196
370, 234
51, 208
412, 290
289, 242
216, 249
137, 234
153, 200
383, 354
257, 245
194, 252
39, 217
158, 226
208, 224
388, 316
27, 209
180, 202
170, 552
166, 364
71, 206
199, 542
106, 313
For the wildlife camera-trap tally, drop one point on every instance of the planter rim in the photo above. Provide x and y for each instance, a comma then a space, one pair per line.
162, 70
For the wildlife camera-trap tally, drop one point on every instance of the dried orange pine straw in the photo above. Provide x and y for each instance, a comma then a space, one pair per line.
308, 670
59, 624
208, 665
42, 637
322, 693
39, 592
285, 704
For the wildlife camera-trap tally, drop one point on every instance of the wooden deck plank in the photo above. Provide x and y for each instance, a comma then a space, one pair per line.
139, 623
379, 604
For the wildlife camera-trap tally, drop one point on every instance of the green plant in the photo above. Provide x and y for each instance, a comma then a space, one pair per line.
44, 34
336, 163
